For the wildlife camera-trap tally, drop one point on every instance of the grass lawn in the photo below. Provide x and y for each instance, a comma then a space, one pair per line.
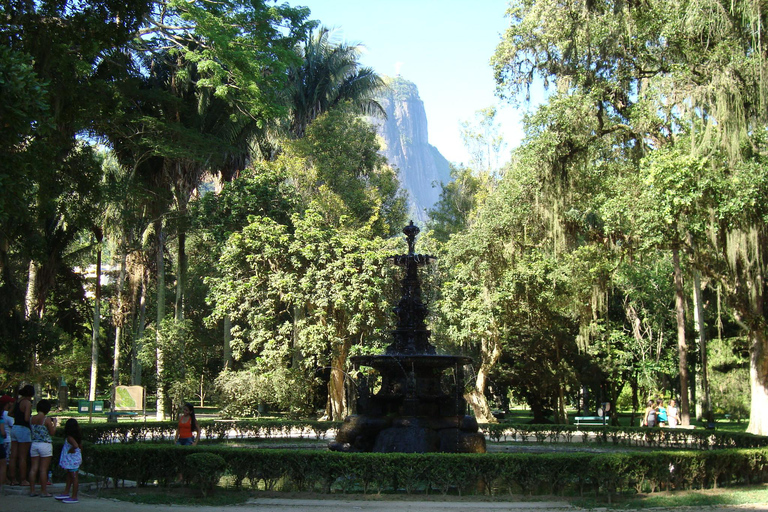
747, 495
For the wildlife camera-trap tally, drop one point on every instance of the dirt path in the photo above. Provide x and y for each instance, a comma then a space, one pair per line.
23, 503
19, 503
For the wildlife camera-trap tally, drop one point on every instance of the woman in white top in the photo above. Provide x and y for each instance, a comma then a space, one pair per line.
673, 415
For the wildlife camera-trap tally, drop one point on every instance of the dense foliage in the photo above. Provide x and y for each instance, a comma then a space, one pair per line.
500, 473
215, 157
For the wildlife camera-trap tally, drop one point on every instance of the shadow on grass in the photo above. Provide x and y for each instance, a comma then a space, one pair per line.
177, 496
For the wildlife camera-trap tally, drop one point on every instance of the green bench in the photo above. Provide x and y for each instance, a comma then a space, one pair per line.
591, 420
113, 415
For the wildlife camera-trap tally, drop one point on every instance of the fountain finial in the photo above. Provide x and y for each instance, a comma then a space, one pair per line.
410, 231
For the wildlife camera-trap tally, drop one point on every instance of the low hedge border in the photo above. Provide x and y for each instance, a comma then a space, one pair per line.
491, 473
135, 431
129, 432
625, 436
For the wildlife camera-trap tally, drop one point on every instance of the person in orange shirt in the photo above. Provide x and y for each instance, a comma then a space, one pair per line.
188, 427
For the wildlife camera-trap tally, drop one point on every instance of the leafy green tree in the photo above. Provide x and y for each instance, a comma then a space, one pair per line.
206, 79
332, 277
56, 51
261, 190
483, 140
459, 199
339, 167
328, 76
645, 74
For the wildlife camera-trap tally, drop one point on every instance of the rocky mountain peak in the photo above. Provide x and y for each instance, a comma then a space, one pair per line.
406, 145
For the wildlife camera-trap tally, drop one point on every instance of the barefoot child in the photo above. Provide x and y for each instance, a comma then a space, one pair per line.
71, 458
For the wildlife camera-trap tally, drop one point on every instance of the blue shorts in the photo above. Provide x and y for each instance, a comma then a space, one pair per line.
185, 441
21, 434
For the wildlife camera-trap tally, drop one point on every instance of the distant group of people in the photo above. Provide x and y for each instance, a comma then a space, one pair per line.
657, 414
28, 445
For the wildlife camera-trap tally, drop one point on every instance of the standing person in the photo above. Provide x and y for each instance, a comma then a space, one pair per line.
41, 449
187, 426
649, 420
21, 435
6, 404
661, 413
70, 460
673, 415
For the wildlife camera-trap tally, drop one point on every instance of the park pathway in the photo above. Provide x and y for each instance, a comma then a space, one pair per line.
23, 503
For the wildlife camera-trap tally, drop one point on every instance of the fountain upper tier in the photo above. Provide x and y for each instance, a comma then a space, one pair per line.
411, 335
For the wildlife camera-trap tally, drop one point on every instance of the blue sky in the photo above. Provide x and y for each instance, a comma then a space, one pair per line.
443, 46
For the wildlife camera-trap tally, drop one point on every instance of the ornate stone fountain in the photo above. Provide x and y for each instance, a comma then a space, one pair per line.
409, 399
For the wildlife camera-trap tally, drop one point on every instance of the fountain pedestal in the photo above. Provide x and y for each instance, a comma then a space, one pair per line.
412, 399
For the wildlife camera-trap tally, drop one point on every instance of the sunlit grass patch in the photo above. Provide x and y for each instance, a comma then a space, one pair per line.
704, 498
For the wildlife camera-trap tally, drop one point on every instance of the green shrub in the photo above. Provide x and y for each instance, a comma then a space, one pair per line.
608, 474
204, 470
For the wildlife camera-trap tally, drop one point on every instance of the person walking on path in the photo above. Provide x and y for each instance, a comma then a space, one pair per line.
41, 449
21, 435
673, 414
70, 460
661, 413
188, 431
649, 420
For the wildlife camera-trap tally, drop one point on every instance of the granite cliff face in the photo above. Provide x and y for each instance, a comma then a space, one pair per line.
406, 146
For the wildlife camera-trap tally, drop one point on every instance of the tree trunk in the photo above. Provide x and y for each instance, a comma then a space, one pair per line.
563, 413
698, 313
476, 398
160, 352
758, 379
336, 390
96, 321
138, 332
635, 401
682, 346
228, 342
181, 274
31, 299
119, 322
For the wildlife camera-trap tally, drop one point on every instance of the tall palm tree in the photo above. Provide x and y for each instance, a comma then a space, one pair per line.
329, 73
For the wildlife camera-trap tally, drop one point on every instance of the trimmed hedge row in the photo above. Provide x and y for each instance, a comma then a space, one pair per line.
490, 473
625, 436
130, 432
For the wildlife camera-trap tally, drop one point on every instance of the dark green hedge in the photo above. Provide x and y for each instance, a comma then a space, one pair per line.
491, 473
